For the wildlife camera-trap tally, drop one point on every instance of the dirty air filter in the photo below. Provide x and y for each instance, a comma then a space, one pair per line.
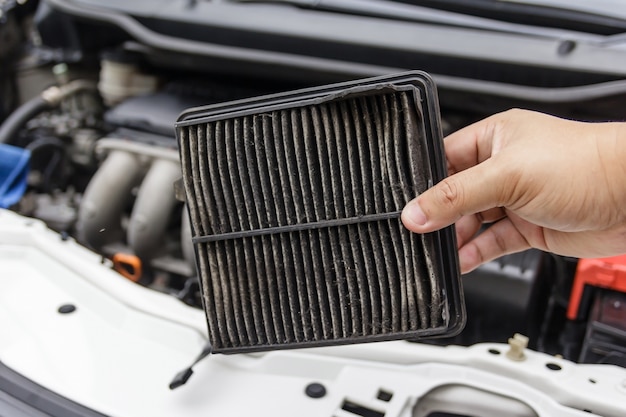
295, 202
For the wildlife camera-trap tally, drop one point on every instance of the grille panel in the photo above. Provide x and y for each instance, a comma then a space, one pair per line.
295, 212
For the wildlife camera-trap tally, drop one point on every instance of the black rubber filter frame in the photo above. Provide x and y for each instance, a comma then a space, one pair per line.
295, 204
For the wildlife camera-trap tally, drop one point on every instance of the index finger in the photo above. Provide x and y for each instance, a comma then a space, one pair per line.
470, 145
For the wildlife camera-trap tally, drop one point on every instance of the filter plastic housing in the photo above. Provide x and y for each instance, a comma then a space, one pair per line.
295, 202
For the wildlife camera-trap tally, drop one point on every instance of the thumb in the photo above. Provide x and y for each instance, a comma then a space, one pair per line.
470, 191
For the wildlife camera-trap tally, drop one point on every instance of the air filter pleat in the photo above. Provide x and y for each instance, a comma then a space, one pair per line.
389, 253
284, 190
324, 208
373, 186
263, 294
249, 285
397, 162
298, 240
346, 235
213, 309
400, 240
263, 146
280, 252
223, 135
363, 296
335, 160
242, 247
307, 169
206, 202
338, 235
370, 279
426, 290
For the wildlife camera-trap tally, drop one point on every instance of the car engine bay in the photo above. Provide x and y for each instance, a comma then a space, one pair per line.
92, 90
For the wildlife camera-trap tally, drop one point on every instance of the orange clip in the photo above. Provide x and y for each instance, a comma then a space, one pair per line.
129, 266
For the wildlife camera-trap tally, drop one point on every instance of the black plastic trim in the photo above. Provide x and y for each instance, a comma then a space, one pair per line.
537, 15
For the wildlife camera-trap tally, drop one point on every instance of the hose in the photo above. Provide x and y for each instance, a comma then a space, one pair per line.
20, 116
47, 100
53, 163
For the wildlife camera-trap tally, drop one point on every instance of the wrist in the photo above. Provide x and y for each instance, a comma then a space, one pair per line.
613, 160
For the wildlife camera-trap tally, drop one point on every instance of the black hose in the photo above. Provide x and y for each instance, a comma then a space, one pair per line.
20, 117
58, 156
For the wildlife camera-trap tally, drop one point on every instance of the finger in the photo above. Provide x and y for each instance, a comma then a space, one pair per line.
471, 191
500, 239
471, 145
491, 215
466, 228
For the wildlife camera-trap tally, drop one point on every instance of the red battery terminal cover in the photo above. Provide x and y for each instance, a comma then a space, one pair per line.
608, 273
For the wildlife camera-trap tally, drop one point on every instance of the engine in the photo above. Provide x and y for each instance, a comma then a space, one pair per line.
104, 170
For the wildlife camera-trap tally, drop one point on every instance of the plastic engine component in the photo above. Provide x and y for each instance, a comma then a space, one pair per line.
294, 202
608, 273
605, 339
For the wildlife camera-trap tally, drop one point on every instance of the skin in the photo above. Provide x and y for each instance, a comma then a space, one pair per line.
543, 182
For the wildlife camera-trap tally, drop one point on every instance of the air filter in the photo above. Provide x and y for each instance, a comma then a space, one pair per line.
295, 204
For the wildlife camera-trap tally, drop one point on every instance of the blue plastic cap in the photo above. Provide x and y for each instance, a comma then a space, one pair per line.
14, 164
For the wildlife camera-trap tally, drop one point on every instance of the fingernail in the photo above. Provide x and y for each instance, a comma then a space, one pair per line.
414, 213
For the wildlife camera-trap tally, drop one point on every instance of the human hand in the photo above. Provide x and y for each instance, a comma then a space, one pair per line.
544, 182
